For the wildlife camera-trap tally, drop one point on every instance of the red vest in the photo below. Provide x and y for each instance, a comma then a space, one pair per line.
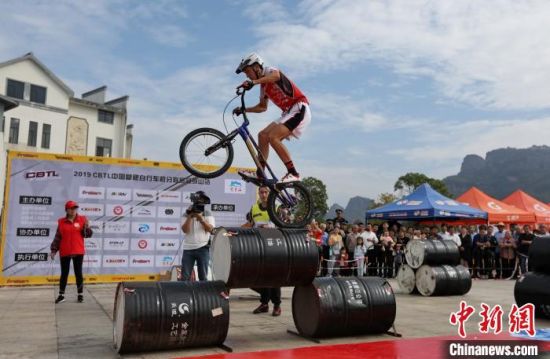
72, 241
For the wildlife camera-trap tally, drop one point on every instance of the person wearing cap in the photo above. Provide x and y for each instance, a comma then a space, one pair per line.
69, 242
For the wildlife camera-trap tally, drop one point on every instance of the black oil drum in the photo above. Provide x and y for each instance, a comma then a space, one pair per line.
539, 254
443, 280
169, 315
432, 252
343, 306
533, 287
263, 257
406, 279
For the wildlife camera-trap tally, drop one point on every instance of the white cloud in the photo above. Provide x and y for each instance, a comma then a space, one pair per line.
493, 54
450, 142
170, 35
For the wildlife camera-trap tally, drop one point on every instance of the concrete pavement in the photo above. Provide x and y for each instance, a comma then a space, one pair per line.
32, 326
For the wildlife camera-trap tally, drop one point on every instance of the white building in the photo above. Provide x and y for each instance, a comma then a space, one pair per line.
50, 118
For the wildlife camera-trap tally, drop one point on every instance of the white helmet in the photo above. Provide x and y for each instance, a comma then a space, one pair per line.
251, 59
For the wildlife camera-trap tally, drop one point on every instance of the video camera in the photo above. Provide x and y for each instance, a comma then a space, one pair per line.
198, 200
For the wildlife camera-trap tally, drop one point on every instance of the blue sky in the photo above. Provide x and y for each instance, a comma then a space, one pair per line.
394, 86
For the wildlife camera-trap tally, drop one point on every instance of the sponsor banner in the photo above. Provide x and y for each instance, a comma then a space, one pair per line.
145, 228
169, 196
144, 212
216, 207
119, 194
142, 261
134, 208
115, 261
142, 244
186, 197
91, 209
120, 227
91, 261
96, 226
144, 195
31, 257
91, 192
117, 210
38, 200
116, 244
169, 212
167, 260
164, 244
173, 228
93, 244
42, 175
235, 186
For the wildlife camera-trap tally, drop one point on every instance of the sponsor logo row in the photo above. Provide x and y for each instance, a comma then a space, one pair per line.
119, 227
126, 194
109, 260
122, 210
122, 261
134, 244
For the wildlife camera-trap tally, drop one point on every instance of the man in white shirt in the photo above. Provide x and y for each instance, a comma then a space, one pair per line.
196, 244
370, 239
454, 236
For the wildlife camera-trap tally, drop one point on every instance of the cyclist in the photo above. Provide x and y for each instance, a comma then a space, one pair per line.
296, 115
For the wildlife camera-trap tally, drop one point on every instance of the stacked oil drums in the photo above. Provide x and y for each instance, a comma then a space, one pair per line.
534, 287
321, 307
176, 315
433, 269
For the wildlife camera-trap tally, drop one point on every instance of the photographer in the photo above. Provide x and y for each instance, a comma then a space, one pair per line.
197, 227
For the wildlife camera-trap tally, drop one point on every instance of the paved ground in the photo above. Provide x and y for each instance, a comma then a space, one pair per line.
32, 326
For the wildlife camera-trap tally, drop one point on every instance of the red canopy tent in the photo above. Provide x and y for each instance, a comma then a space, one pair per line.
530, 204
498, 211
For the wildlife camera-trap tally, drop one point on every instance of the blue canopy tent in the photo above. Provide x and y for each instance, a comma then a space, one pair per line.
426, 204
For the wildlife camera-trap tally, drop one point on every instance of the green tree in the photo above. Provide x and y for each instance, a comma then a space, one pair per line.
410, 181
319, 195
383, 199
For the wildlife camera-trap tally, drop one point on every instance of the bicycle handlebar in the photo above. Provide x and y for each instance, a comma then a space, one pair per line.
241, 91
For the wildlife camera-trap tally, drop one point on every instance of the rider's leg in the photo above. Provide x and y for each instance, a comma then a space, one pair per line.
277, 134
263, 143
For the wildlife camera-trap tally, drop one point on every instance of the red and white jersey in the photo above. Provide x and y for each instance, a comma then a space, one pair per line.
284, 93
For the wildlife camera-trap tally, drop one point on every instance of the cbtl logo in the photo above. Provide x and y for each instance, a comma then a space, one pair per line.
41, 174
118, 210
168, 211
142, 244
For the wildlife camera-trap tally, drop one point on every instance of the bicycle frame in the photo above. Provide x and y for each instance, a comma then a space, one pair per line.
251, 145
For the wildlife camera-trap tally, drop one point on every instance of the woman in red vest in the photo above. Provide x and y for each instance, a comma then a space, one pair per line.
69, 242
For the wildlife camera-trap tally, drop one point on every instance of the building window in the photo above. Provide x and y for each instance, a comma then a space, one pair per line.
103, 147
33, 133
14, 131
16, 89
106, 116
38, 94
46, 133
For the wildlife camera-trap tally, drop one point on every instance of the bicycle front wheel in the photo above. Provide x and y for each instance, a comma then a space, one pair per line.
290, 205
206, 153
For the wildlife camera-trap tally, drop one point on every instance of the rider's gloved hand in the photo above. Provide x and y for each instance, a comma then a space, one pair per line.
247, 85
237, 111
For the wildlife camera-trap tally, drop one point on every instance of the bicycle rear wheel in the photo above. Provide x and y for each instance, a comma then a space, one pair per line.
206, 153
290, 205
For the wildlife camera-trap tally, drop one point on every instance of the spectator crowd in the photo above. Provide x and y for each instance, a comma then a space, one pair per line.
489, 251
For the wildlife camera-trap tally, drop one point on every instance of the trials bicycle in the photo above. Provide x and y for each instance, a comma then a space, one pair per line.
208, 153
